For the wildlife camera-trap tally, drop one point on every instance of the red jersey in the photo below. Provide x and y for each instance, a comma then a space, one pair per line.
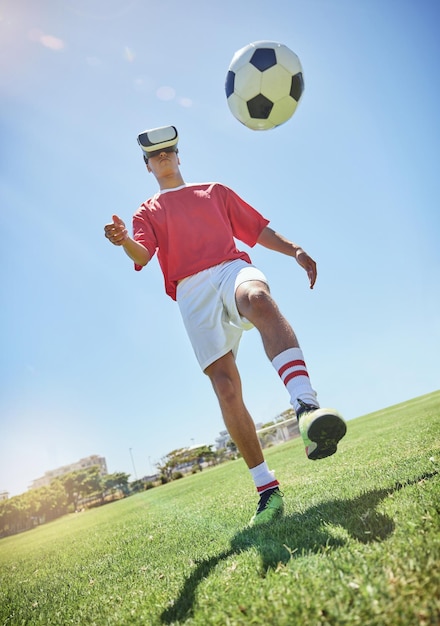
193, 227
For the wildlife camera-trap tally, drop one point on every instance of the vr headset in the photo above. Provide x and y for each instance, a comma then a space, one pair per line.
158, 140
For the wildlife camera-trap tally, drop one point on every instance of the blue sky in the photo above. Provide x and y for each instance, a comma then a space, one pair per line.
94, 357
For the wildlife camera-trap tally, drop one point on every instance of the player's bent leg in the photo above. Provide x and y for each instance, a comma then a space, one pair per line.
255, 303
321, 429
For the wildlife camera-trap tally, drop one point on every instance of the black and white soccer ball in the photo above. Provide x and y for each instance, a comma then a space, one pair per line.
264, 84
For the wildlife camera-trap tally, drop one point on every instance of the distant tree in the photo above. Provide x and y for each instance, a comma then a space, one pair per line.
122, 481
205, 454
170, 462
232, 448
182, 458
90, 481
43, 504
10, 516
220, 455
83, 483
137, 485
71, 486
56, 500
285, 415
119, 480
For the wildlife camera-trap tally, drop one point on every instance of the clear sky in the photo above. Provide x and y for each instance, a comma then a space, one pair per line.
94, 357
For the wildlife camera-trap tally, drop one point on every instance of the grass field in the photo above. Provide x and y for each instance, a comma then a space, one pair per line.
359, 543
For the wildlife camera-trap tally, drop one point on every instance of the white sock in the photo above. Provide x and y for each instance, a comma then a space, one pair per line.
293, 372
264, 479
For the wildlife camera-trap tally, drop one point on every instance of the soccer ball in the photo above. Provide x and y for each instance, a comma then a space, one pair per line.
264, 84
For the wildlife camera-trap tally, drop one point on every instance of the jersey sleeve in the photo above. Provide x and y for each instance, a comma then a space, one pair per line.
143, 233
247, 223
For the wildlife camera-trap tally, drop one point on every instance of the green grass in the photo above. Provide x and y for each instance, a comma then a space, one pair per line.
359, 543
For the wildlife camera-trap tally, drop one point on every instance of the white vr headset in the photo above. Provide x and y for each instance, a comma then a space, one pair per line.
157, 140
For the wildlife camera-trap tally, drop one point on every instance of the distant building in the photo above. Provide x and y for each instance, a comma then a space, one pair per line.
151, 478
89, 461
4, 495
222, 440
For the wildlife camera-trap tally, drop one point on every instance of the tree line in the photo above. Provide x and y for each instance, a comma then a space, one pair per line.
183, 460
65, 494
86, 488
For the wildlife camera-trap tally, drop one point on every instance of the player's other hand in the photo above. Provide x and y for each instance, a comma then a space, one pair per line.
309, 265
116, 231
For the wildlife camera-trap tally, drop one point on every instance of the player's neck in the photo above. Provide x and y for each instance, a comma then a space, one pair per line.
171, 181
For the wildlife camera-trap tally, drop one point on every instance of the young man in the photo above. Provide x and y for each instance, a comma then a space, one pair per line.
220, 293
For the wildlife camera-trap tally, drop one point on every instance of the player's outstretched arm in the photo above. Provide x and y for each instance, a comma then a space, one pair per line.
117, 234
274, 241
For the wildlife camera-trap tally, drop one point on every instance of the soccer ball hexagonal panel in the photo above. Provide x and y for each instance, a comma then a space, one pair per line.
264, 84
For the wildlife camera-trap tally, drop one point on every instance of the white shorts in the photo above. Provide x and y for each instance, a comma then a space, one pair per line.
209, 311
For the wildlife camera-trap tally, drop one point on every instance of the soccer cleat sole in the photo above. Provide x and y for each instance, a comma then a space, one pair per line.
326, 431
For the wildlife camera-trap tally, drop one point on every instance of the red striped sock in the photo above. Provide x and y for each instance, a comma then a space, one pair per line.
264, 479
292, 370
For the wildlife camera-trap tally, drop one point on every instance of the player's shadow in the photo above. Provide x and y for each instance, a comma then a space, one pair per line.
295, 535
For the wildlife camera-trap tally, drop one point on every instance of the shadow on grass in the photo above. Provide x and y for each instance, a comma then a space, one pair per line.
296, 535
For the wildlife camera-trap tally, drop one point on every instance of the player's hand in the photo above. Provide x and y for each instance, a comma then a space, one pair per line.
309, 265
116, 231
